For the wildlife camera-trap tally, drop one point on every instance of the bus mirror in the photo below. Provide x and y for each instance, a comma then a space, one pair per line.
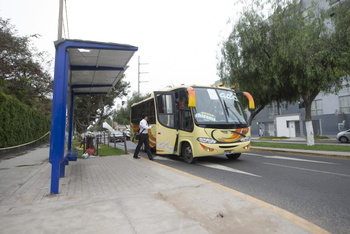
191, 97
251, 104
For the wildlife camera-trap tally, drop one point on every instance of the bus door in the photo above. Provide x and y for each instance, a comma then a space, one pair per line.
167, 123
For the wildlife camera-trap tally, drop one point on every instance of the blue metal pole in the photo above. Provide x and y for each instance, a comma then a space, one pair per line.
71, 116
63, 160
58, 119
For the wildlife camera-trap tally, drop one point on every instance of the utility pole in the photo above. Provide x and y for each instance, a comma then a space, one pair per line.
60, 20
139, 73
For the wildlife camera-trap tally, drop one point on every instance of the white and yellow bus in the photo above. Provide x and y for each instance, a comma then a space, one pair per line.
195, 121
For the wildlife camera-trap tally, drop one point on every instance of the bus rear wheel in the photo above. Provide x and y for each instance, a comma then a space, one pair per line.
186, 152
233, 156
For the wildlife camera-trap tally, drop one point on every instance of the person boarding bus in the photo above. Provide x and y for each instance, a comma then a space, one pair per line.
144, 140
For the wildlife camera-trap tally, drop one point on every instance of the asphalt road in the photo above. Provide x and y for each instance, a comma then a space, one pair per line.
314, 188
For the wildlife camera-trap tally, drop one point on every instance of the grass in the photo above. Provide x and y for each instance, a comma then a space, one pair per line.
321, 147
103, 150
321, 137
274, 137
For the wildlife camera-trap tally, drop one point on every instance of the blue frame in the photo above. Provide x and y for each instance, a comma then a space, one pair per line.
61, 88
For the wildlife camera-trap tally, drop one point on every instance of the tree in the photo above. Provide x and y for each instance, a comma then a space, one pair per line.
283, 57
122, 116
340, 40
95, 109
22, 70
249, 61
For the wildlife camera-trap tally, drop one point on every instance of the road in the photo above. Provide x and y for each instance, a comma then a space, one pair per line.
314, 188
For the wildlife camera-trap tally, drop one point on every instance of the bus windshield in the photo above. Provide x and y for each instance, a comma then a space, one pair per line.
218, 106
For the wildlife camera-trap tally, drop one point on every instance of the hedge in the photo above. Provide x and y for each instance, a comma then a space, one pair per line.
20, 124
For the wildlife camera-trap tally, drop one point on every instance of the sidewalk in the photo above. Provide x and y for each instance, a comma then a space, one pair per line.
118, 194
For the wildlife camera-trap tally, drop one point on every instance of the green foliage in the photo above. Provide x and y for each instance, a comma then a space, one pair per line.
320, 147
273, 137
340, 40
321, 137
89, 108
25, 84
22, 73
103, 150
122, 116
286, 55
280, 138
20, 124
106, 150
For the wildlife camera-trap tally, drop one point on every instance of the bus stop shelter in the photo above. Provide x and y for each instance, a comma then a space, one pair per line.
81, 68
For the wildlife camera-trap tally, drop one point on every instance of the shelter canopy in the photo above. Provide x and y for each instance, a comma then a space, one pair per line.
81, 68
96, 70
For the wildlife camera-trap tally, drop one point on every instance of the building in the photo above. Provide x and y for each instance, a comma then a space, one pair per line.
330, 114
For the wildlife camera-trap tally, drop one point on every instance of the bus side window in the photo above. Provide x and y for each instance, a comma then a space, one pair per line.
183, 99
165, 110
186, 122
160, 105
151, 112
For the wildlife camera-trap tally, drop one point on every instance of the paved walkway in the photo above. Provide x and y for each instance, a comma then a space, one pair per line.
118, 194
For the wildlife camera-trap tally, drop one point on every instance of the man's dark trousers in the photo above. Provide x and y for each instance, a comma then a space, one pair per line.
143, 140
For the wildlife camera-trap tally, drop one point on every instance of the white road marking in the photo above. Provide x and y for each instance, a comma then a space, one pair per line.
253, 154
305, 169
220, 167
161, 158
215, 166
293, 159
297, 159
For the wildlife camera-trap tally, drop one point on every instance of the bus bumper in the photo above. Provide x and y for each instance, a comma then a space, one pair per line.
202, 149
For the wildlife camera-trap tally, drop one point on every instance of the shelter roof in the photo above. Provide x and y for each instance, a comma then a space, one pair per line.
96, 67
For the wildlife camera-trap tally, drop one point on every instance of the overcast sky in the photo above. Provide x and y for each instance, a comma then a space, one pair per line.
177, 39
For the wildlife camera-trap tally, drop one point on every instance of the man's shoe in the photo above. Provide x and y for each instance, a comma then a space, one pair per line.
138, 157
150, 158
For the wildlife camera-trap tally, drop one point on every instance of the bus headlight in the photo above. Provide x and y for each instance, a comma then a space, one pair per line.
247, 138
206, 140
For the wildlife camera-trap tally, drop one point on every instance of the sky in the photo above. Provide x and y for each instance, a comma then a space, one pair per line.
178, 41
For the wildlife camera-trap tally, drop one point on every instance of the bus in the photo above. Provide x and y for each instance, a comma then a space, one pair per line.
195, 121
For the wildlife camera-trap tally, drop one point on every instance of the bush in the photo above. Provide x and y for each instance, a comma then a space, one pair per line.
19, 124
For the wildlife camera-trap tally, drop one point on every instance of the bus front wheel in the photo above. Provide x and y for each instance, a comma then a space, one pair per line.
233, 156
186, 152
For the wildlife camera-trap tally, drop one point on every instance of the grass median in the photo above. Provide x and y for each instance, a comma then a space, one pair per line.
106, 150
103, 150
319, 147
